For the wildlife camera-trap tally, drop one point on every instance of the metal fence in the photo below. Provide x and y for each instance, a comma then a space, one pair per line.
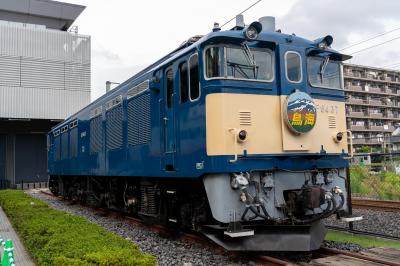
25, 186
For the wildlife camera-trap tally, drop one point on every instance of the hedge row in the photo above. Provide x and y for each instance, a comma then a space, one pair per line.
53, 237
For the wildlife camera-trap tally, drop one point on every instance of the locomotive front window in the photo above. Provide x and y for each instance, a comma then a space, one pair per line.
323, 72
293, 67
240, 62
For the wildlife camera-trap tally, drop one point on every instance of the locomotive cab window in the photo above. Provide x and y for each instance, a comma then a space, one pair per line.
212, 62
323, 72
240, 62
184, 82
293, 67
170, 87
194, 77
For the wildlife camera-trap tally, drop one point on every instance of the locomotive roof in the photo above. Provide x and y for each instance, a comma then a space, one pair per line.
221, 36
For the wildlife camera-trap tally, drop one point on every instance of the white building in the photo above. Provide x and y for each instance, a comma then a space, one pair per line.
44, 78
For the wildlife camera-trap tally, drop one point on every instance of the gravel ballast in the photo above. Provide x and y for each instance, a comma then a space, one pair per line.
387, 223
168, 251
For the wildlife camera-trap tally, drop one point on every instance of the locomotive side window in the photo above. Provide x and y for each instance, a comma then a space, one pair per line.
212, 62
170, 87
293, 67
194, 77
184, 82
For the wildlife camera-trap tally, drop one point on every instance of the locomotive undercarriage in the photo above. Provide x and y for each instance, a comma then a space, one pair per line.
258, 210
175, 203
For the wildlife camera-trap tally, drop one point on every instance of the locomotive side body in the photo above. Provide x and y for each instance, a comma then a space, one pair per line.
241, 138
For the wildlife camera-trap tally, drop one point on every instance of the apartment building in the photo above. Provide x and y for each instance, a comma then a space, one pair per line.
372, 106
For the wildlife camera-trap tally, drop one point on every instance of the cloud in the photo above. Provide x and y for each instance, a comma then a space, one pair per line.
101, 53
341, 18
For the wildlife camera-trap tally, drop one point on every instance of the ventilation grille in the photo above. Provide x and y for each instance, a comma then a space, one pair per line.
137, 89
73, 142
64, 146
139, 120
245, 118
96, 136
57, 148
148, 203
114, 128
332, 121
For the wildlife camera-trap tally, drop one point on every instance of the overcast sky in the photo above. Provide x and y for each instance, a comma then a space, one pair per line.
129, 35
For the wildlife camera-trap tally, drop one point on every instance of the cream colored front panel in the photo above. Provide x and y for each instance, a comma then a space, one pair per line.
261, 117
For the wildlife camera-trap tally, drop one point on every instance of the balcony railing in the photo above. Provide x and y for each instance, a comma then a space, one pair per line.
361, 114
357, 127
360, 141
354, 88
356, 101
375, 102
376, 115
376, 128
374, 89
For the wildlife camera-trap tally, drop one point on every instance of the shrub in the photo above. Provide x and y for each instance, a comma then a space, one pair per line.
53, 237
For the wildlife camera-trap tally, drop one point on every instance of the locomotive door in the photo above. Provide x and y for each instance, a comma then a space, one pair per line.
169, 121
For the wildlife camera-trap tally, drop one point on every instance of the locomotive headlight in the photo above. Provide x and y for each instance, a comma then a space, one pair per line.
252, 31
242, 135
324, 42
338, 137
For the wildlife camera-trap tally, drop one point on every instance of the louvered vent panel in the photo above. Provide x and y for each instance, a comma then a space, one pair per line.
10, 71
114, 128
57, 148
73, 142
245, 118
96, 135
40, 73
139, 120
64, 145
332, 121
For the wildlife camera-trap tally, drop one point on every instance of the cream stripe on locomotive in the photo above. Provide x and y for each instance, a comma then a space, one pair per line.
267, 133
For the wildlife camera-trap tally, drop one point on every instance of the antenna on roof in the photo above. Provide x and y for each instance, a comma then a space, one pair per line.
73, 29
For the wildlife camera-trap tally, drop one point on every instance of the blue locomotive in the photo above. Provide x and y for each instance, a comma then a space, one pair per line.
240, 134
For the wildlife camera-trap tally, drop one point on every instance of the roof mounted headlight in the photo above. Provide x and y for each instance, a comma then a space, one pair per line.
324, 42
252, 31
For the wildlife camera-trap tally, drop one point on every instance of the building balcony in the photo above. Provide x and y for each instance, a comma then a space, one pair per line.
375, 102
375, 115
389, 116
375, 89
377, 128
358, 114
357, 127
360, 141
390, 129
356, 101
354, 88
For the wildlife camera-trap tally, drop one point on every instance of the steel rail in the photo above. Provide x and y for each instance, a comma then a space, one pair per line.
381, 205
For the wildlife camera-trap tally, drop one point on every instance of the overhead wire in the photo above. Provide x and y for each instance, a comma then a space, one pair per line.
241, 12
369, 39
375, 45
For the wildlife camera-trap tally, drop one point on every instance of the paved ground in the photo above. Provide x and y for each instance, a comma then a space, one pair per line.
7, 232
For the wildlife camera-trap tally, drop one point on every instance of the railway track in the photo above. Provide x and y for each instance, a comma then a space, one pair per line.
361, 232
380, 205
322, 257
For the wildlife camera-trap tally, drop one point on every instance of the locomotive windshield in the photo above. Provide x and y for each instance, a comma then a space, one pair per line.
323, 72
239, 62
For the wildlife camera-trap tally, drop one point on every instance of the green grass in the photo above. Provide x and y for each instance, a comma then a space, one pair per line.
53, 237
364, 241
385, 186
